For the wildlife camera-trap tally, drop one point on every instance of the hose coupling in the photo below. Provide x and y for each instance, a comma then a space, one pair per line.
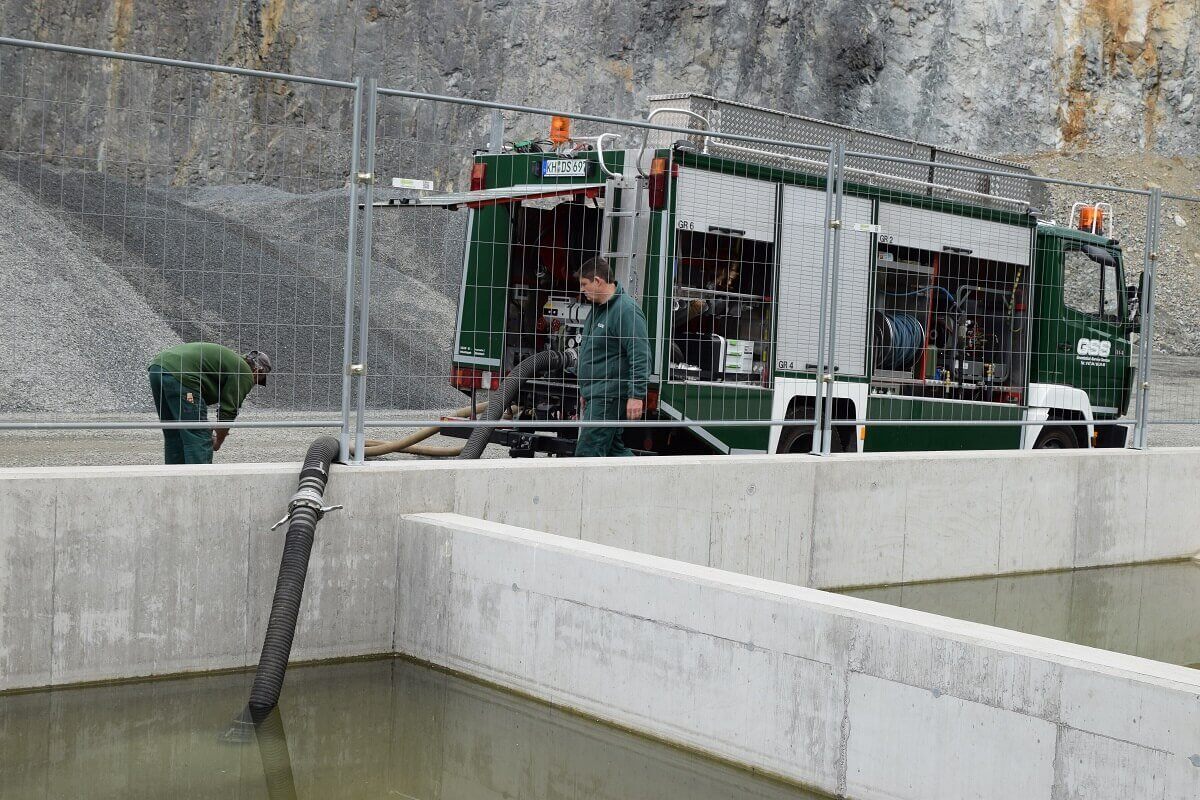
570, 359
306, 497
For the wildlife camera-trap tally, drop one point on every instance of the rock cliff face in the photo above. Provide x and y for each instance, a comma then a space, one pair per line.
993, 75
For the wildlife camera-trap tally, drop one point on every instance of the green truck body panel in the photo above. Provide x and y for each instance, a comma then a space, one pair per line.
705, 402
892, 438
481, 314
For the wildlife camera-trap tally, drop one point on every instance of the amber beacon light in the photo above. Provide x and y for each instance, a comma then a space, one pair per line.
560, 129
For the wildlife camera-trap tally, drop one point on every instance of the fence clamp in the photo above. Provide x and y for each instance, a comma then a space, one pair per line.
835, 223
1154, 256
1145, 384
357, 370
365, 177
826, 378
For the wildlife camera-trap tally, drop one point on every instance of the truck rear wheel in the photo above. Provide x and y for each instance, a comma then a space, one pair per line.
800, 440
1056, 438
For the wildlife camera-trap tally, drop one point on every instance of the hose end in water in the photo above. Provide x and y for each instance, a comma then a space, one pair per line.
240, 730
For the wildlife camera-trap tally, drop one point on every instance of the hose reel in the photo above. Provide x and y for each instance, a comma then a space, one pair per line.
899, 338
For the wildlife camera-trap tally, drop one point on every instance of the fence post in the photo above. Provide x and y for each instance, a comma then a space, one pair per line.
496, 132
835, 224
351, 241
823, 308
364, 302
1146, 335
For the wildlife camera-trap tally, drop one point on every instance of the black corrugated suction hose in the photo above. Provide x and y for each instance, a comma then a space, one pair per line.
551, 362
273, 749
305, 512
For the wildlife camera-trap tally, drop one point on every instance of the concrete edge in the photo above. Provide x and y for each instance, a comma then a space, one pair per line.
243, 468
974, 633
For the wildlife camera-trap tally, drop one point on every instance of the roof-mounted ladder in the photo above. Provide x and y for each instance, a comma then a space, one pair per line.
626, 207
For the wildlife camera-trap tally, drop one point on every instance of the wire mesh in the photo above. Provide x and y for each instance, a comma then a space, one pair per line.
186, 206
1174, 393
998, 318
778, 275
951, 321
494, 279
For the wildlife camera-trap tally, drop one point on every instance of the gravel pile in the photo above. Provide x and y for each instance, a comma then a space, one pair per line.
74, 333
107, 267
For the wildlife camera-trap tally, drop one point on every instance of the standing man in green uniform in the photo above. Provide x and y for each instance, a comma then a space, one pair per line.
614, 361
186, 379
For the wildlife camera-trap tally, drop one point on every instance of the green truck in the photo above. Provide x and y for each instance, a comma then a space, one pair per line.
953, 303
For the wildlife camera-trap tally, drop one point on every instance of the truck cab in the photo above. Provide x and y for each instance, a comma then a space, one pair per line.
1083, 365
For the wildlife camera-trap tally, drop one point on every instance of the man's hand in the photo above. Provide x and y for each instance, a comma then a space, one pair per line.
633, 408
219, 435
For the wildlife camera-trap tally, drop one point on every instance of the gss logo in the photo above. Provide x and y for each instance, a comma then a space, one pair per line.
1093, 347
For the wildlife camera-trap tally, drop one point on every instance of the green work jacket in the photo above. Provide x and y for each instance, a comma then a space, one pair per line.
614, 359
220, 375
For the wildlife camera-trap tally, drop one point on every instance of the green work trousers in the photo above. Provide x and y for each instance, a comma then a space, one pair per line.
176, 403
599, 442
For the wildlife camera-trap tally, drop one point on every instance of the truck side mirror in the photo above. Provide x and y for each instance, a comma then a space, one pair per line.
1133, 302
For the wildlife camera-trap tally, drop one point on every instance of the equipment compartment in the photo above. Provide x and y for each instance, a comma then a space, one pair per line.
721, 308
549, 245
949, 325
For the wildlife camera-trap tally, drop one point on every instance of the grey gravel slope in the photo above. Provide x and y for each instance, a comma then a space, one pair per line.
270, 277
75, 336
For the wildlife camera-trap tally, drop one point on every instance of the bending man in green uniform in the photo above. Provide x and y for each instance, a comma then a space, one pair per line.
614, 361
186, 379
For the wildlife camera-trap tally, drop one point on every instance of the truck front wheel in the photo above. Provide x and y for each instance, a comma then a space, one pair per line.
1056, 438
800, 440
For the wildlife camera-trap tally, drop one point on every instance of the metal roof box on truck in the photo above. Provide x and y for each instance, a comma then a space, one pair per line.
939, 172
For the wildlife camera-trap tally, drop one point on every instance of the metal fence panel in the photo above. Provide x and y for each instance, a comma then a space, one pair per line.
189, 205
1174, 390
506, 271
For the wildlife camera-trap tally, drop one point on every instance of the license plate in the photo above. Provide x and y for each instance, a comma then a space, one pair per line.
564, 168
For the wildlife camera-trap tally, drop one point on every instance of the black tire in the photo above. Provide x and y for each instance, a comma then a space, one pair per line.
800, 440
1056, 438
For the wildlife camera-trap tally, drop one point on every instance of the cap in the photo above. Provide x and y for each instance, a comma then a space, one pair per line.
257, 358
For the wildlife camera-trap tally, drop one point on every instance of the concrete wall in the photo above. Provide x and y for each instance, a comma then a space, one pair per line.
846, 695
863, 519
127, 571
1149, 610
